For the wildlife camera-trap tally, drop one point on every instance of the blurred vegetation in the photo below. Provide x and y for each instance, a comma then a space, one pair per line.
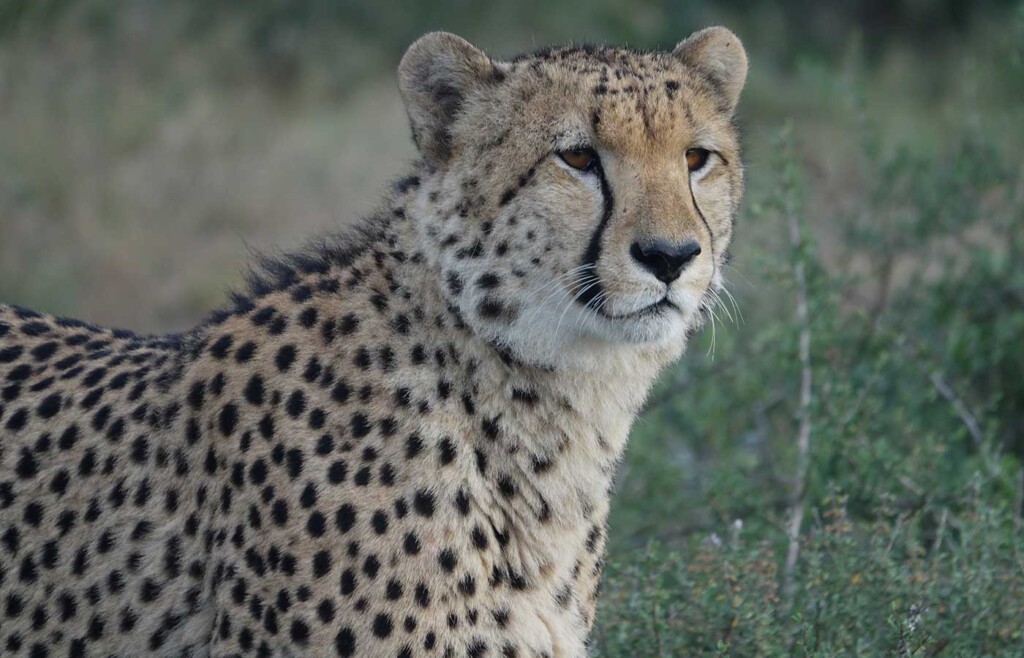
140, 141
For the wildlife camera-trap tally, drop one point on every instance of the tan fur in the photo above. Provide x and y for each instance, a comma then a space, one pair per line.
397, 445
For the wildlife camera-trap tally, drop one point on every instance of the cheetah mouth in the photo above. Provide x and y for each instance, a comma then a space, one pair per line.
658, 308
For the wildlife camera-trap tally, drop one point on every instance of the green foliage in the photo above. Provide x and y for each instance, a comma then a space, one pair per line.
898, 585
912, 542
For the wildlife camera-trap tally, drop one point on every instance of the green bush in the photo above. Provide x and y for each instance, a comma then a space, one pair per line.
910, 488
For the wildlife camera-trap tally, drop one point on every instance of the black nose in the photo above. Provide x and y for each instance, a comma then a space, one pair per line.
664, 260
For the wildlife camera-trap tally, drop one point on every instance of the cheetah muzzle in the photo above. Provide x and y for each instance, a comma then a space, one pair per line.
399, 442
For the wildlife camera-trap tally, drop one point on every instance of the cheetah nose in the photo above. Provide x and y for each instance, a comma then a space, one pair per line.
665, 260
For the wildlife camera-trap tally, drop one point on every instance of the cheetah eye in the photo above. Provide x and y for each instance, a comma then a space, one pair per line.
696, 158
583, 159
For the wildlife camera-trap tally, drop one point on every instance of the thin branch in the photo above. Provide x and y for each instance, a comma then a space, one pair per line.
803, 437
968, 418
1018, 501
937, 544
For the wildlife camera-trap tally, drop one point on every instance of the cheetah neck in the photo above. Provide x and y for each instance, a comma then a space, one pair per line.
546, 440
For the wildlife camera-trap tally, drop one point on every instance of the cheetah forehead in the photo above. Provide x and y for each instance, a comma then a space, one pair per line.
634, 102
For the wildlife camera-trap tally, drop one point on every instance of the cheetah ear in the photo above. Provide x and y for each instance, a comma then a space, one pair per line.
435, 77
718, 55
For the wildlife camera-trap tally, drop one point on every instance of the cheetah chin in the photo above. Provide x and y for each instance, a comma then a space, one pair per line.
401, 441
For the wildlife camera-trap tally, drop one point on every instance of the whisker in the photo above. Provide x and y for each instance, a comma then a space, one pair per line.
558, 326
597, 301
572, 275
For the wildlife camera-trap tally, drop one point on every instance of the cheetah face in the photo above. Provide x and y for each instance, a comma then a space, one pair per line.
580, 197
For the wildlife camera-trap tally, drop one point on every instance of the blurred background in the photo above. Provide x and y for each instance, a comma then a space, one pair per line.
835, 468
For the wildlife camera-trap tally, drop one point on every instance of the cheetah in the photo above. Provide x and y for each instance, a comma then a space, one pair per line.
400, 441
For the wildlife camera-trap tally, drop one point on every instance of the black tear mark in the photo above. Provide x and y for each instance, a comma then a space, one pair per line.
593, 251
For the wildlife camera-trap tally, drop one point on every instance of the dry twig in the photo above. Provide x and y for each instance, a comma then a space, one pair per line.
803, 437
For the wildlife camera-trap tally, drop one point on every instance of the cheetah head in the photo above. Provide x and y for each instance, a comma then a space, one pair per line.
579, 197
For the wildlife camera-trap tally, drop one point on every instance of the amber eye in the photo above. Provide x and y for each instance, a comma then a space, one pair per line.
696, 159
584, 159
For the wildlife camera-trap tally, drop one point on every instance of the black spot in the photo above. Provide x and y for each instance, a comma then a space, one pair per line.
345, 643
448, 560
337, 471
245, 352
17, 420
220, 347
379, 522
20, 373
347, 582
446, 451
506, 486
371, 566
382, 626
279, 512
348, 324
462, 502
455, 284
196, 394
423, 503
400, 324
50, 405
326, 611
317, 418
345, 517
491, 428
321, 564
35, 328
285, 357
340, 393
293, 462
254, 393
361, 425
228, 419
313, 370
258, 472
362, 360
387, 475
9, 354
299, 632
296, 403
44, 351
413, 446
387, 358
490, 308
27, 466
488, 281
379, 301
527, 397
467, 585
301, 293
411, 544
475, 250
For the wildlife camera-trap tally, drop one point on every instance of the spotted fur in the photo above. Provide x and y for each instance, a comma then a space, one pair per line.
399, 442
